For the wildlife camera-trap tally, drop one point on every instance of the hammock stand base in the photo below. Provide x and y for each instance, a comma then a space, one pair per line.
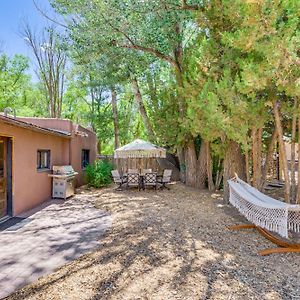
283, 247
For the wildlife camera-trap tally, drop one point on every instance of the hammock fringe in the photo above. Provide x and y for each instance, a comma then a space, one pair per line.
262, 210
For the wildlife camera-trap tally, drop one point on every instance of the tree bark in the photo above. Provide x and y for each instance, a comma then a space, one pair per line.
99, 147
202, 166
191, 164
219, 175
269, 156
254, 157
257, 156
247, 166
234, 162
293, 153
282, 150
115, 118
182, 165
211, 185
298, 189
139, 101
196, 169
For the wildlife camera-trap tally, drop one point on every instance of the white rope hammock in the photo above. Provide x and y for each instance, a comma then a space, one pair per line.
262, 210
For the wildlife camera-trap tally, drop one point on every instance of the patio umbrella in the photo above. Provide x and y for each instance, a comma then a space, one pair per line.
140, 149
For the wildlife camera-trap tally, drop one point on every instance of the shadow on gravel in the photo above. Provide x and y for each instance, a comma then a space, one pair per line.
174, 245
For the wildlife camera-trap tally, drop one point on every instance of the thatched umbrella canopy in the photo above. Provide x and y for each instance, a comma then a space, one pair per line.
140, 149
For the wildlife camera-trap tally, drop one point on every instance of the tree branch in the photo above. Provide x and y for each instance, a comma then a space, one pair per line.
152, 51
47, 17
141, 48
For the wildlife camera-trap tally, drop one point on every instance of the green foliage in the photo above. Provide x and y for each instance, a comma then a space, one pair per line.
13, 80
202, 73
99, 173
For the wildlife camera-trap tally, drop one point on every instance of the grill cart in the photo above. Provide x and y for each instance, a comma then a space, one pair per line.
63, 183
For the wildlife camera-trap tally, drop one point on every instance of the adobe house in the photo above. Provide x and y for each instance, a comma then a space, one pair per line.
29, 147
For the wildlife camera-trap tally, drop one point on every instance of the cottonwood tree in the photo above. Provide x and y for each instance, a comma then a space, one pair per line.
216, 88
51, 62
156, 28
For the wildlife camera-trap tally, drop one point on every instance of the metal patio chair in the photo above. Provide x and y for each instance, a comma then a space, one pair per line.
119, 180
150, 179
165, 179
133, 180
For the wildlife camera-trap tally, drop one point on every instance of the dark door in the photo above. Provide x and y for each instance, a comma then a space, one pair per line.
3, 177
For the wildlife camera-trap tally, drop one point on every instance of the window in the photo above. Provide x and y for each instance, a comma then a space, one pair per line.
85, 158
43, 159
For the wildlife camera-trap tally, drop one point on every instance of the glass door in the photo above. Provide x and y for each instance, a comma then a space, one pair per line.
3, 178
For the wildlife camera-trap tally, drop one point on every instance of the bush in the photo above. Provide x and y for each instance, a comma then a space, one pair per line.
99, 173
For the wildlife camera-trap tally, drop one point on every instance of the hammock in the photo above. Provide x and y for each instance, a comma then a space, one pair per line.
262, 210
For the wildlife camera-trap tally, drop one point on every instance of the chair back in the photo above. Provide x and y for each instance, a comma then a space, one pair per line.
150, 179
144, 171
133, 179
133, 171
167, 175
116, 176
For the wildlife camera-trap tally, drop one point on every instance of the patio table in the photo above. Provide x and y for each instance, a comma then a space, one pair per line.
141, 179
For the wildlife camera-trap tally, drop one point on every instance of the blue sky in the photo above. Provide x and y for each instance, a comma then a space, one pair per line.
12, 15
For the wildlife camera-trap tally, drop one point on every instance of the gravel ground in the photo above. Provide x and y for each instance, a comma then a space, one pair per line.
171, 245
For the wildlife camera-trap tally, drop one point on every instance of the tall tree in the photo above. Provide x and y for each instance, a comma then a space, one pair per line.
124, 27
139, 100
115, 117
51, 64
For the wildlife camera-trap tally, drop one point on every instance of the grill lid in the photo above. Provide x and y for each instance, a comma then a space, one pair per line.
63, 170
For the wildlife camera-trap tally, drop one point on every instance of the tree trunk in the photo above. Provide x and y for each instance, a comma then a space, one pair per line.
254, 157
293, 154
191, 164
115, 118
202, 166
247, 166
139, 101
211, 185
219, 175
257, 156
298, 190
282, 151
269, 156
99, 147
196, 169
182, 166
234, 162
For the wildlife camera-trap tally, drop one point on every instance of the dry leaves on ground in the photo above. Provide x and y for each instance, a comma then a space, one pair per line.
171, 245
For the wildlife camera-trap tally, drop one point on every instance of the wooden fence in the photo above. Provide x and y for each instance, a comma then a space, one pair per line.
156, 164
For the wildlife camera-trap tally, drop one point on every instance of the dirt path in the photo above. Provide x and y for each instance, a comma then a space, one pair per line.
172, 245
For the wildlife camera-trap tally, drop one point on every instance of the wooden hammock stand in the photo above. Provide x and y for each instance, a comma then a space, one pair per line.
283, 247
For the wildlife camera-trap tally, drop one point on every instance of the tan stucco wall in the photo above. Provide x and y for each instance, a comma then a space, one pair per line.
77, 144
31, 187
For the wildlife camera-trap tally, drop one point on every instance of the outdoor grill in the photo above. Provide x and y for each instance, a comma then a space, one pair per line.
63, 185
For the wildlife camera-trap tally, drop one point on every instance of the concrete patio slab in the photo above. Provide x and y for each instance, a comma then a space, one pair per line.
51, 235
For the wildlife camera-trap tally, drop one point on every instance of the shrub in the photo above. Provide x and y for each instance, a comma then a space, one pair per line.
99, 173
